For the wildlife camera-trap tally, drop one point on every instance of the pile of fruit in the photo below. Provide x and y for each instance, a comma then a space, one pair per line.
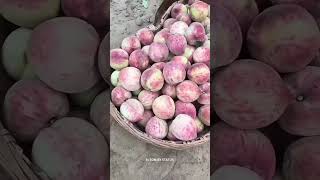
266, 95
162, 79
58, 92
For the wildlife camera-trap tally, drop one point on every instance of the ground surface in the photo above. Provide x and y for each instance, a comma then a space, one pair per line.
129, 156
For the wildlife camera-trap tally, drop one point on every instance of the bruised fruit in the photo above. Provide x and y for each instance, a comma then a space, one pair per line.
94, 12
71, 149
62, 53
119, 95
258, 101
129, 78
199, 11
145, 36
246, 148
184, 128
195, 33
163, 107
174, 73
179, 28
302, 115
119, 59
139, 59
301, 159
199, 73
231, 172
185, 108
158, 52
290, 49
29, 14
228, 45
178, 9
157, 128
13, 52
204, 114
169, 90
147, 115
147, 98
176, 44
188, 91
30, 106
132, 110
130, 44
152, 79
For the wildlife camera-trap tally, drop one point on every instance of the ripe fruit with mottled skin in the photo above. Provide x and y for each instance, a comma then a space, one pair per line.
245, 148
119, 59
139, 59
229, 44
199, 73
195, 33
179, 28
147, 98
184, 128
174, 73
204, 114
152, 79
185, 108
30, 106
129, 78
176, 44
13, 52
119, 95
188, 91
163, 107
169, 90
157, 128
130, 44
301, 159
199, 11
68, 144
147, 115
158, 52
132, 110
302, 115
178, 9
62, 52
145, 36
286, 48
29, 13
260, 98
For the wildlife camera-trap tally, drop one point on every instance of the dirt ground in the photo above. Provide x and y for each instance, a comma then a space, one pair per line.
129, 156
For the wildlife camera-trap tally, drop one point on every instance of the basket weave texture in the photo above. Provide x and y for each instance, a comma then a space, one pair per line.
161, 15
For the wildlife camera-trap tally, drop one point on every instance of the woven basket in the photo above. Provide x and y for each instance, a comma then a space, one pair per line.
161, 15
